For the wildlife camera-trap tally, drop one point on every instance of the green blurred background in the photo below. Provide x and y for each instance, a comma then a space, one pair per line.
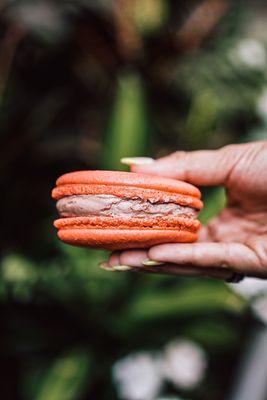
83, 83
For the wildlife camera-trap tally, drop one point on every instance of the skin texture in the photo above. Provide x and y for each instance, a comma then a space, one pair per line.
233, 242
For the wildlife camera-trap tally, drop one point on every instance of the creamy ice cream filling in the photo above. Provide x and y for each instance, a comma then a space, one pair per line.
109, 205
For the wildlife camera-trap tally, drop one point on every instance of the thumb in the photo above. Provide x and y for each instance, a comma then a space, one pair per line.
207, 167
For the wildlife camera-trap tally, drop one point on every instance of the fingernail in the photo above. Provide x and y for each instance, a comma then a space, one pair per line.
104, 265
151, 263
122, 268
137, 160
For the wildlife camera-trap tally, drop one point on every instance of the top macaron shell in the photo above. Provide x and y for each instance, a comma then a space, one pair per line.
128, 179
99, 233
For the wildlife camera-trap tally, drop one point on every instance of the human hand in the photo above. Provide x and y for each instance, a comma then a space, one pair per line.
234, 242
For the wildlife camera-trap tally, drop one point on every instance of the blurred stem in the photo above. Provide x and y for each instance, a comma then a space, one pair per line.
128, 39
66, 377
127, 128
201, 22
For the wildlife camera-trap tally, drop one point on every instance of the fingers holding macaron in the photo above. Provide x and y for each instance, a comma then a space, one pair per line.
216, 260
144, 261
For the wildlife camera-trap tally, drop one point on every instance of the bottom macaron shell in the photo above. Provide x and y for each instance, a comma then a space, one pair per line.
111, 239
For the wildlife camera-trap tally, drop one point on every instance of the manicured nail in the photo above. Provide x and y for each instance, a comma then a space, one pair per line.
151, 263
137, 160
104, 265
122, 268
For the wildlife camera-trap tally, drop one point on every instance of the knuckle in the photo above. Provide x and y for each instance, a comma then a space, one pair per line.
225, 261
259, 248
179, 153
155, 254
124, 257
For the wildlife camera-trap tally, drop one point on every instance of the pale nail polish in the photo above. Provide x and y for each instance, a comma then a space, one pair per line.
122, 268
137, 160
104, 265
151, 263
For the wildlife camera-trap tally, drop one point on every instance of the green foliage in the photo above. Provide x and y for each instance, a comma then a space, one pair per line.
214, 203
127, 128
107, 315
199, 298
64, 379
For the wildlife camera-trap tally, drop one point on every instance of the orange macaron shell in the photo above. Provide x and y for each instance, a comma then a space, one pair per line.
118, 233
123, 239
119, 178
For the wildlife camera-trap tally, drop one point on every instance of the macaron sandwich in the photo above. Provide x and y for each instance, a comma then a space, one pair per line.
119, 210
